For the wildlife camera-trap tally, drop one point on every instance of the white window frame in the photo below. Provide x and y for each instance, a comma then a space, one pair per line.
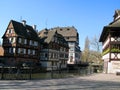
19, 40
24, 51
14, 49
25, 41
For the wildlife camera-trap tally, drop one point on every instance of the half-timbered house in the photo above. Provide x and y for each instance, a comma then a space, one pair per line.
20, 43
71, 35
54, 50
110, 39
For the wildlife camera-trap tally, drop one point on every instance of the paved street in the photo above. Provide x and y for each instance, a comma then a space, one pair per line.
92, 82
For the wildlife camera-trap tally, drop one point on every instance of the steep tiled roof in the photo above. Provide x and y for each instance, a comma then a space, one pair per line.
24, 31
47, 35
66, 31
113, 26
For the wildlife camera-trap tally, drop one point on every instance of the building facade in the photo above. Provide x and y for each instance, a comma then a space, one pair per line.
54, 50
72, 37
110, 38
20, 43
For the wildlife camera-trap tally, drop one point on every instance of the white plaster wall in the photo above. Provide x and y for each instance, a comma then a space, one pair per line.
113, 67
106, 56
109, 67
107, 41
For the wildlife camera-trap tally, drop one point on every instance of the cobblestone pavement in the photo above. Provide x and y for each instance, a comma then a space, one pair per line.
92, 82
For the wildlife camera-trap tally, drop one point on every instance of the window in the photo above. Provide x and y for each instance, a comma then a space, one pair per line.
35, 43
67, 37
28, 51
68, 29
21, 50
33, 52
22, 41
14, 50
25, 41
9, 40
24, 51
18, 50
19, 40
9, 31
31, 42
10, 50
71, 49
12, 40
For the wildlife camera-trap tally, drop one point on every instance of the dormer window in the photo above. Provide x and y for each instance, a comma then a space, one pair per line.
60, 29
45, 33
68, 29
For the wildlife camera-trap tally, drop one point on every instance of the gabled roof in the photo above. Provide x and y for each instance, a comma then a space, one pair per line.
24, 31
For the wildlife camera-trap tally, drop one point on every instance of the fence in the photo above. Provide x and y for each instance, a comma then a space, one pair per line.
28, 73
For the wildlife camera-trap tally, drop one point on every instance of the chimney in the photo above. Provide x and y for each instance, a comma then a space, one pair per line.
24, 22
34, 27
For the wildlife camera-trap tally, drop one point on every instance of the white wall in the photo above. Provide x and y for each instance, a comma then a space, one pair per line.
113, 66
106, 43
106, 56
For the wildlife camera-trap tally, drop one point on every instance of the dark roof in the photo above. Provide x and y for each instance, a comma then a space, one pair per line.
24, 31
113, 26
67, 32
46, 36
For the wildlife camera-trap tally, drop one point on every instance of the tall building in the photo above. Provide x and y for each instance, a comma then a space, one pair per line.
110, 38
72, 37
20, 43
54, 50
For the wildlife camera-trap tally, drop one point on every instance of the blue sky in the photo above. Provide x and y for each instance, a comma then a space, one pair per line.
87, 16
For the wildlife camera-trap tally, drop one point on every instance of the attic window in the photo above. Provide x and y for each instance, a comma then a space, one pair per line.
9, 30
67, 37
45, 33
68, 29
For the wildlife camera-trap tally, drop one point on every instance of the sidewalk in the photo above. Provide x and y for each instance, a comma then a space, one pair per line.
93, 82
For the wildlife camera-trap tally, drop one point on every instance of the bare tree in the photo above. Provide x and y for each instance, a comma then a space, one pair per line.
95, 44
95, 53
85, 53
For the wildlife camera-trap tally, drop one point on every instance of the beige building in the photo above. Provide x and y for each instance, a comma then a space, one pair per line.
1, 51
72, 37
110, 38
